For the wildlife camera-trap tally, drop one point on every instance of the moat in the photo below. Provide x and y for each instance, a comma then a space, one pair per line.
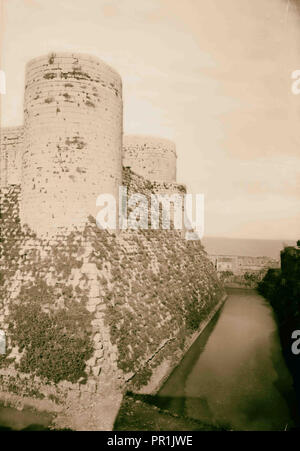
233, 377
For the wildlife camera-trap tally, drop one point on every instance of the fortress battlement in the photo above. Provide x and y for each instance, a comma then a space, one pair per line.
70, 149
103, 312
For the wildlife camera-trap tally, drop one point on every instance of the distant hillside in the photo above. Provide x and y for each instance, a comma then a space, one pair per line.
249, 247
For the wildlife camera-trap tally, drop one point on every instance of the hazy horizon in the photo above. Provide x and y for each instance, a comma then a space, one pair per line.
245, 246
254, 239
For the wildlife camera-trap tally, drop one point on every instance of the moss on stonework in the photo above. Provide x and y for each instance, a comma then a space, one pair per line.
155, 289
158, 290
55, 343
48, 323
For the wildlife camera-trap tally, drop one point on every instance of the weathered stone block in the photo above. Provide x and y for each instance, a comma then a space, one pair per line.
98, 353
89, 387
96, 370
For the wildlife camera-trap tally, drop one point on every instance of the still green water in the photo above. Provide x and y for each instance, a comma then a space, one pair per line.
27, 419
233, 377
234, 374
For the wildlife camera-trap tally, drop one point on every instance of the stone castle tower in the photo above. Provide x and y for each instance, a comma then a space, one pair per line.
72, 139
70, 148
123, 307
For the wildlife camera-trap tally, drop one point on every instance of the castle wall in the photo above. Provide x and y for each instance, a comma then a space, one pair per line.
140, 296
11, 155
72, 140
124, 307
151, 157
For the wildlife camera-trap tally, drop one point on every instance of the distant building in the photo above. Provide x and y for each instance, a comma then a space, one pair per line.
241, 264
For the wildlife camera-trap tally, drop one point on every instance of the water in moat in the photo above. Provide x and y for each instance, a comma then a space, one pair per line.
23, 420
234, 375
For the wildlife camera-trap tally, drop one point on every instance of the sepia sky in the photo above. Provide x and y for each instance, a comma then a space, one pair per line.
213, 75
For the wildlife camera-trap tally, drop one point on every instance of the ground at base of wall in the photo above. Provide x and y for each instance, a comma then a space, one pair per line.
89, 412
82, 412
136, 414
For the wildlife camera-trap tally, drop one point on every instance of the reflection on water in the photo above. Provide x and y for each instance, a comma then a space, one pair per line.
239, 378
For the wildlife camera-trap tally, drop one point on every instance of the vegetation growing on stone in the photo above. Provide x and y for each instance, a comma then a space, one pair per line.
48, 323
54, 342
155, 289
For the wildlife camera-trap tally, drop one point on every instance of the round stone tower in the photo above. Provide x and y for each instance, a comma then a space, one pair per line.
73, 125
151, 157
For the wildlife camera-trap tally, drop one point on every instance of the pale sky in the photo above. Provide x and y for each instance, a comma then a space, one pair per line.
212, 75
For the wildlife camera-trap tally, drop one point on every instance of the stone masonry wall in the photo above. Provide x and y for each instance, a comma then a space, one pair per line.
11, 155
137, 297
89, 314
72, 139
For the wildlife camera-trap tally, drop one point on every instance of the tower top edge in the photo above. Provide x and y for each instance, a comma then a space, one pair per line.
72, 55
153, 140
